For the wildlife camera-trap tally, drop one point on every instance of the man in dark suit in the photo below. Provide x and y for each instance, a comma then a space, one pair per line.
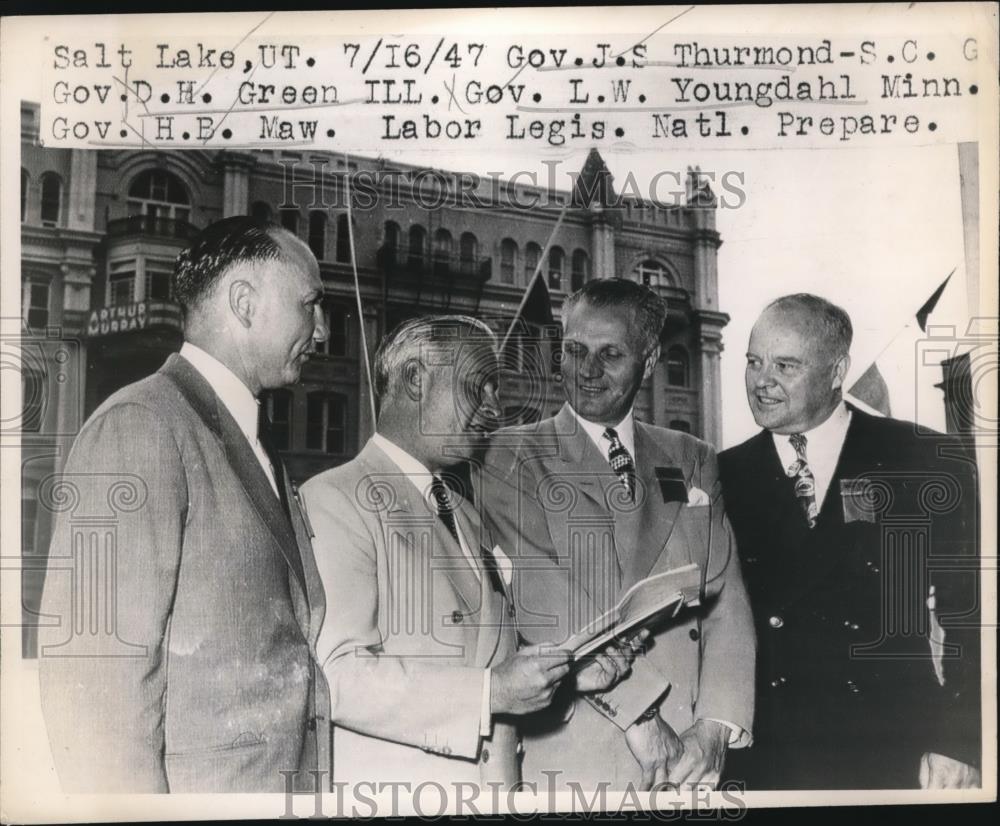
181, 576
591, 501
858, 541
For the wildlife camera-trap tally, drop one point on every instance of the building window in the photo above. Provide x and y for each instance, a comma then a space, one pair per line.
278, 406
339, 322
25, 184
159, 281
343, 240
532, 252
442, 250
261, 211
317, 234
508, 260
290, 220
35, 304
159, 194
652, 273
391, 240
468, 251
581, 270
556, 260
51, 199
121, 284
417, 246
681, 425
677, 367
326, 422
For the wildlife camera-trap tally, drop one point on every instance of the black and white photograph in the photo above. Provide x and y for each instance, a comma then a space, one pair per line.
480, 411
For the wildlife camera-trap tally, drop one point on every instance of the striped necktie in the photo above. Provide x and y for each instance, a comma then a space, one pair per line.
805, 484
446, 513
621, 461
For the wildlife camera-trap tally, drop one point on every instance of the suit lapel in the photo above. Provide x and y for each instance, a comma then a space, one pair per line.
241, 457
407, 512
492, 604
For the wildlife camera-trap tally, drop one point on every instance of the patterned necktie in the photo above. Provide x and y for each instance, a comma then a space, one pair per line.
442, 500
621, 461
805, 484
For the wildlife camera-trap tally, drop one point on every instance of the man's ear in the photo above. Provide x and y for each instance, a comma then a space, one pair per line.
242, 301
651, 359
413, 379
840, 368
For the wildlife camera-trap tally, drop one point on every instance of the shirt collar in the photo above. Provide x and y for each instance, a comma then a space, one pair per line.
232, 392
823, 440
412, 468
625, 430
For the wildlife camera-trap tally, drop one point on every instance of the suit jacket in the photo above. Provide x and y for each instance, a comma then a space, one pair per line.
847, 692
415, 629
578, 546
187, 605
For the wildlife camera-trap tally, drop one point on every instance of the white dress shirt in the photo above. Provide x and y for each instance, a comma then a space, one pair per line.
237, 399
823, 445
626, 435
420, 477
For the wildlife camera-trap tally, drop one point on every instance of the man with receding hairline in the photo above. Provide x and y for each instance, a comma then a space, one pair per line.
858, 540
203, 677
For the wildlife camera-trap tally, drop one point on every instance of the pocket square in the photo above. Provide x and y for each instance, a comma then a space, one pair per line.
857, 500
504, 564
697, 498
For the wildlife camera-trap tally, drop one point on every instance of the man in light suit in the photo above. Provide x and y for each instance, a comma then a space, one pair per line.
847, 523
180, 571
591, 501
426, 681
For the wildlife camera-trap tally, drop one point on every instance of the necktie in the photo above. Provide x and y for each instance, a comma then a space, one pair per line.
442, 500
621, 461
264, 437
805, 484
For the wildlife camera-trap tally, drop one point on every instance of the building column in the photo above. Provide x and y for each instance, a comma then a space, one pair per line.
82, 189
235, 183
602, 244
710, 338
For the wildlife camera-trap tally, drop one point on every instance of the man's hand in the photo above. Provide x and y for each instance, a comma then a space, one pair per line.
526, 680
940, 772
704, 751
656, 746
612, 665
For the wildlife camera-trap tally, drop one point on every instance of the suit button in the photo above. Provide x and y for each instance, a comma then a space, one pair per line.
693, 634
486, 756
520, 748
456, 617
311, 724
510, 610
776, 622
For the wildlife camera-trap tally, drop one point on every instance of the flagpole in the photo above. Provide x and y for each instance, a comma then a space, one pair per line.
536, 274
357, 287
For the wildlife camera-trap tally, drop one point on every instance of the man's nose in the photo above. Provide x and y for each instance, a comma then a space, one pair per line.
321, 330
590, 367
489, 409
765, 376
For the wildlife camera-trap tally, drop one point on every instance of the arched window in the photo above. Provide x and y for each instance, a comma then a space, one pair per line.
508, 260
468, 247
339, 323
417, 246
442, 249
35, 304
344, 239
317, 234
278, 404
25, 184
159, 194
652, 273
677, 366
532, 252
391, 240
51, 199
290, 219
581, 269
260, 211
326, 422
556, 261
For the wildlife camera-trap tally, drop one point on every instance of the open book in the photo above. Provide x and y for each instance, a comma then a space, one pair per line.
647, 599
